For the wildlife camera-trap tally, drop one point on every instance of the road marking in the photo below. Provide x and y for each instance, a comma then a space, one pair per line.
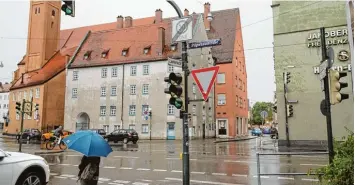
198, 173
126, 168
193, 159
114, 183
172, 158
262, 177
203, 182
143, 169
313, 165
120, 181
75, 165
51, 164
220, 174
109, 167
314, 180
53, 174
64, 164
146, 180
159, 170
239, 175
60, 177
104, 179
178, 171
286, 178
67, 175
128, 157
140, 183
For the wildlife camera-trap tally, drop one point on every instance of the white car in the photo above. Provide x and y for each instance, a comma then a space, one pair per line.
23, 169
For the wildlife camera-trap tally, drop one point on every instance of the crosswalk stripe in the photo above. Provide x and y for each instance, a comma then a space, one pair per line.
121, 181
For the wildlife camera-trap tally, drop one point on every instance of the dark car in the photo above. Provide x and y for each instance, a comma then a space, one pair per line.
31, 134
125, 135
99, 131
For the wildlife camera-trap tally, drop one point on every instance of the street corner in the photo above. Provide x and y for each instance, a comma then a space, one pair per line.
235, 139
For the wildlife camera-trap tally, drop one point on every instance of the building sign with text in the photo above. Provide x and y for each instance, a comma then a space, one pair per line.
334, 37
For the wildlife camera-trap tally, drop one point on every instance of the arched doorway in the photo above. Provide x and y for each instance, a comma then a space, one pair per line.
82, 121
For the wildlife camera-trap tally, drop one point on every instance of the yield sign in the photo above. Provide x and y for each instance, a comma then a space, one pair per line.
204, 79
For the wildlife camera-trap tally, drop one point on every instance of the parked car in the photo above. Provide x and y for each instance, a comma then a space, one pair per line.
99, 131
17, 168
49, 135
266, 131
31, 134
125, 135
256, 132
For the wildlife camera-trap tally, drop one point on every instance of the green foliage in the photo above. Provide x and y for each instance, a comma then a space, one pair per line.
341, 172
261, 106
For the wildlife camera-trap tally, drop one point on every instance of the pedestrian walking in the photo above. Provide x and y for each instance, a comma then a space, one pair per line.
89, 170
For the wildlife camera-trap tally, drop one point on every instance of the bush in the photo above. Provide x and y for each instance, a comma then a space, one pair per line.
341, 171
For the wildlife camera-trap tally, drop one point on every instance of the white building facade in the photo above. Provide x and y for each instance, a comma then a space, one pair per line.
4, 103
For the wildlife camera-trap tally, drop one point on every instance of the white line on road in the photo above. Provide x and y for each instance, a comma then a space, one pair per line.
159, 170
261, 177
53, 174
198, 173
126, 168
203, 182
120, 181
140, 183
178, 171
64, 164
60, 177
172, 158
110, 167
313, 165
193, 159
75, 165
128, 157
143, 169
220, 174
67, 175
314, 180
114, 183
146, 180
239, 175
104, 179
285, 178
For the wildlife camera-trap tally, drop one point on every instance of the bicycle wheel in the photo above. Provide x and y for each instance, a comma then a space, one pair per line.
63, 146
50, 145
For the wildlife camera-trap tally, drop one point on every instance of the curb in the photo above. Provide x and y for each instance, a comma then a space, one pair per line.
49, 152
234, 140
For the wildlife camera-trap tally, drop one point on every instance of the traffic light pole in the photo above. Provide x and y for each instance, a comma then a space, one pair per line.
286, 116
21, 129
327, 100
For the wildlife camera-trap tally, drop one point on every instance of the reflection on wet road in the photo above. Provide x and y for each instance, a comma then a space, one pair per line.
157, 162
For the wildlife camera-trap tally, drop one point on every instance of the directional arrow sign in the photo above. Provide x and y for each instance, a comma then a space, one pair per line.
204, 79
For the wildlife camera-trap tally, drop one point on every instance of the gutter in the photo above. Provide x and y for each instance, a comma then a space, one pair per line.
77, 50
122, 93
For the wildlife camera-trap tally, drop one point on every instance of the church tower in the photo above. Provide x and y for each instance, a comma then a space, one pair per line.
43, 32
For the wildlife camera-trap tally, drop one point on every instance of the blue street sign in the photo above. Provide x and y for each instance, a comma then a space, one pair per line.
263, 114
206, 43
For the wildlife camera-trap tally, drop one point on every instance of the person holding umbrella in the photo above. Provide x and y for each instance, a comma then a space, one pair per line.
93, 146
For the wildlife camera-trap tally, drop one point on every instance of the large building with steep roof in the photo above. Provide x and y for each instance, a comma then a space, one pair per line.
4, 103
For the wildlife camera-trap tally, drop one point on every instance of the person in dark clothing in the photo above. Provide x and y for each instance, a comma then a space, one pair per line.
95, 162
59, 131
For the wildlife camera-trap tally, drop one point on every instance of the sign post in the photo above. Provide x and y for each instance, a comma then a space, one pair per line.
263, 114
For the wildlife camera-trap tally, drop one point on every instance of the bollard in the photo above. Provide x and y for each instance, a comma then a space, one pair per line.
258, 167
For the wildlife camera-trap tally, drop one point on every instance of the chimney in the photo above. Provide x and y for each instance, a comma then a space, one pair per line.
186, 12
161, 40
207, 9
119, 21
158, 16
128, 22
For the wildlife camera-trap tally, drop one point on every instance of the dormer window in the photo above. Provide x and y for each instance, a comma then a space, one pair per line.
146, 50
125, 52
173, 47
104, 53
87, 55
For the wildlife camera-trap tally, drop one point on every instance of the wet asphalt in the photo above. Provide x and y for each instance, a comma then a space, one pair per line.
157, 162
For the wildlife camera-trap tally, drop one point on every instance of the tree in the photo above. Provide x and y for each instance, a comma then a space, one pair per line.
258, 108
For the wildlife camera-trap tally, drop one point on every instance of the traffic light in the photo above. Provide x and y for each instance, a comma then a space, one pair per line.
175, 89
275, 108
335, 86
289, 110
287, 77
69, 8
18, 107
36, 107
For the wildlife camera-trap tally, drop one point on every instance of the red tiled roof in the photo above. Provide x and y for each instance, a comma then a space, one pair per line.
4, 87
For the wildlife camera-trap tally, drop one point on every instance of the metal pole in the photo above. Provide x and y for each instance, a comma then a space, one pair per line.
258, 167
185, 131
21, 129
327, 100
150, 127
286, 118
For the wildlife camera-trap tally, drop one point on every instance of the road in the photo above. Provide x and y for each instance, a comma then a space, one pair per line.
157, 162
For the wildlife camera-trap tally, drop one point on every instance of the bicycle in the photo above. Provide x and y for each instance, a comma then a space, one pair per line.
58, 141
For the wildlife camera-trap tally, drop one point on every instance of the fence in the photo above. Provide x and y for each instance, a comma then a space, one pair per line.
285, 174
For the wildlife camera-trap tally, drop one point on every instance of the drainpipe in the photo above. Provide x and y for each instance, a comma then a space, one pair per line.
122, 93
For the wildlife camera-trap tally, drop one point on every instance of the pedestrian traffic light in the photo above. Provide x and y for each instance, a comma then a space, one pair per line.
289, 110
335, 86
36, 107
69, 8
287, 77
175, 89
18, 107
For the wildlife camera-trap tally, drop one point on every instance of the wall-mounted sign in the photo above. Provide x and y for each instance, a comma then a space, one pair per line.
316, 69
343, 55
207, 43
335, 37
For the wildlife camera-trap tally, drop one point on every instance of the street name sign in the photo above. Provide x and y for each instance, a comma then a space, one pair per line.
182, 29
207, 43
175, 62
323, 69
204, 79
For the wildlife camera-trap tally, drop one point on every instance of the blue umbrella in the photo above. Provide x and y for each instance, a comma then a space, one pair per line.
88, 143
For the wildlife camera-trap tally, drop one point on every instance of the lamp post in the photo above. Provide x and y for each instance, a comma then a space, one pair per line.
150, 123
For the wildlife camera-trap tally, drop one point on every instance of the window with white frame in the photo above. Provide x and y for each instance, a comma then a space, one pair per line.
116, 127
114, 72
75, 75
37, 93
102, 110
221, 78
145, 108
133, 70
113, 91
145, 128
31, 93
131, 126
171, 110
112, 110
106, 128
0, 97
221, 99
193, 109
19, 96
25, 95
132, 89
17, 116
103, 91
145, 69
194, 88
5, 97
170, 68
74, 93
28, 117
35, 115
103, 72
145, 89
132, 110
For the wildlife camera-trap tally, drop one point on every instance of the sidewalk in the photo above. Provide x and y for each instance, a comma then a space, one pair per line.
236, 139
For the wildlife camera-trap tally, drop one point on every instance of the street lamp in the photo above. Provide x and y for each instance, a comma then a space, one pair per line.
150, 123
209, 17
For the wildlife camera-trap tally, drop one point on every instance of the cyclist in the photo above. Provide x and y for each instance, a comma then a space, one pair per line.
58, 133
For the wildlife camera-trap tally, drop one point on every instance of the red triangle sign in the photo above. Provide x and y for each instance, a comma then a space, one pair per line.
204, 79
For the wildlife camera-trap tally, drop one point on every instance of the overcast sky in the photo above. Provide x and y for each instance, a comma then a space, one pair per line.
256, 19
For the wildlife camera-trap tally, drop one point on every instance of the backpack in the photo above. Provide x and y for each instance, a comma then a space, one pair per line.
88, 172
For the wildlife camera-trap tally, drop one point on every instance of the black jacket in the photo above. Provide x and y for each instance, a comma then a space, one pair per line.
86, 160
